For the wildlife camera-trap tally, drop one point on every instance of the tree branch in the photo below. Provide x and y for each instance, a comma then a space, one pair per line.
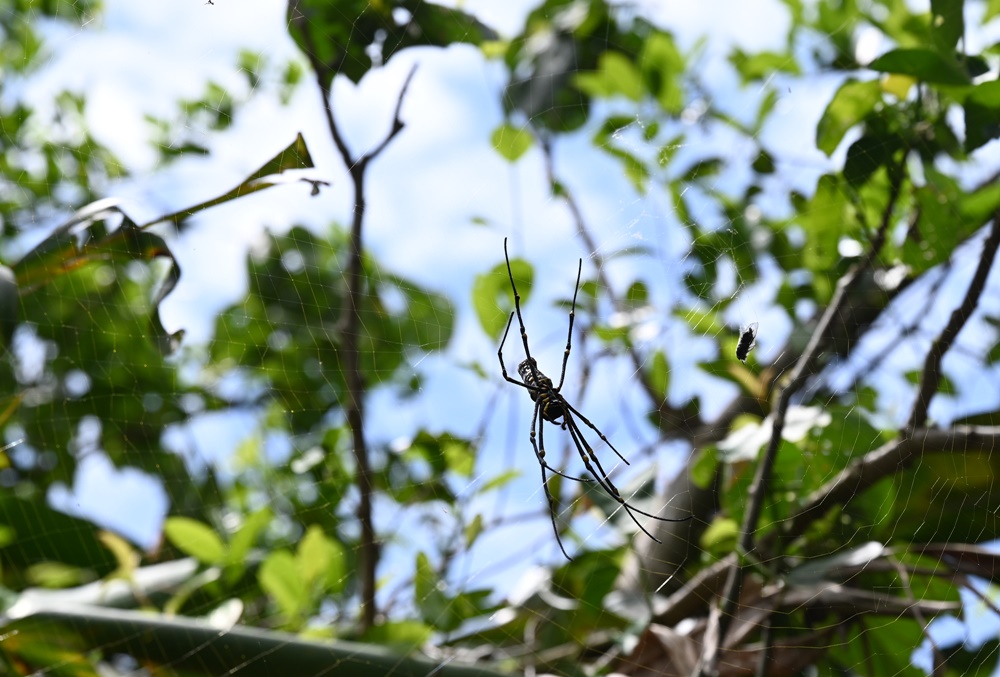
760, 487
350, 322
932, 364
889, 459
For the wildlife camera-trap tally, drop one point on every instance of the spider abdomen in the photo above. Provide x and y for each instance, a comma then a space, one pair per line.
541, 390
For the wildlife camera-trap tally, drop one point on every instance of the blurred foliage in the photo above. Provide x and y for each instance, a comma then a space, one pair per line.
269, 539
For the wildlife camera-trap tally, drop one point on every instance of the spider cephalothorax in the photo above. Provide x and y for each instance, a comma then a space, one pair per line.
551, 406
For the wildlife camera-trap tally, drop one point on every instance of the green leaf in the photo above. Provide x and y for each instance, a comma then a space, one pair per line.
512, 142
762, 65
704, 467
244, 538
492, 296
825, 221
499, 481
196, 539
444, 453
720, 537
703, 169
472, 530
401, 635
947, 24
924, 64
852, 103
662, 66
865, 156
982, 114
428, 595
375, 31
279, 577
616, 75
659, 373
763, 163
992, 10
321, 559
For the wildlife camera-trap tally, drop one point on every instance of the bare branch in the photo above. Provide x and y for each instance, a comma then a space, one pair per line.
932, 365
349, 323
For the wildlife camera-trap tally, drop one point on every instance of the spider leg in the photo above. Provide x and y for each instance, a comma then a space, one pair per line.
536, 418
569, 332
576, 412
539, 446
588, 455
520, 320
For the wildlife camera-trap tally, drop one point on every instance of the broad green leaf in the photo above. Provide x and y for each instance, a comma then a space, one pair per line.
662, 66
616, 75
982, 114
428, 595
720, 537
347, 38
195, 538
825, 221
850, 105
459, 456
931, 239
279, 576
925, 65
493, 299
512, 142
321, 559
947, 24
444, 453
244, 538
865, 156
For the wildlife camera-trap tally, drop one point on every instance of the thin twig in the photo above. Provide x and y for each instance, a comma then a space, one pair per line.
350, 321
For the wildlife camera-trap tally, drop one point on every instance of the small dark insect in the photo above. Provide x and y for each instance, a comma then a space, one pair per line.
747, 343
551, 406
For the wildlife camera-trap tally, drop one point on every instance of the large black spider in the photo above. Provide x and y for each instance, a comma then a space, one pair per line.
550, 406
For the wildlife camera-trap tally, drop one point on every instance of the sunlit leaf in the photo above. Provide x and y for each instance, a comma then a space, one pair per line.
512, 142
925, 65
849, 106
280, 577
195, 538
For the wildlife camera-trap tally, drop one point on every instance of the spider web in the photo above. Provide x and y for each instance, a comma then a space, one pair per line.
440, 245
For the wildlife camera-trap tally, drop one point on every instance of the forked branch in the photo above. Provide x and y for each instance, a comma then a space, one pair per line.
350, 322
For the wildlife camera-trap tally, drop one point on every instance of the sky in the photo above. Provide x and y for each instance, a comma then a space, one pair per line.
140, 58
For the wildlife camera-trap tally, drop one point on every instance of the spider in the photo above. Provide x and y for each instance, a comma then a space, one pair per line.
550, 405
